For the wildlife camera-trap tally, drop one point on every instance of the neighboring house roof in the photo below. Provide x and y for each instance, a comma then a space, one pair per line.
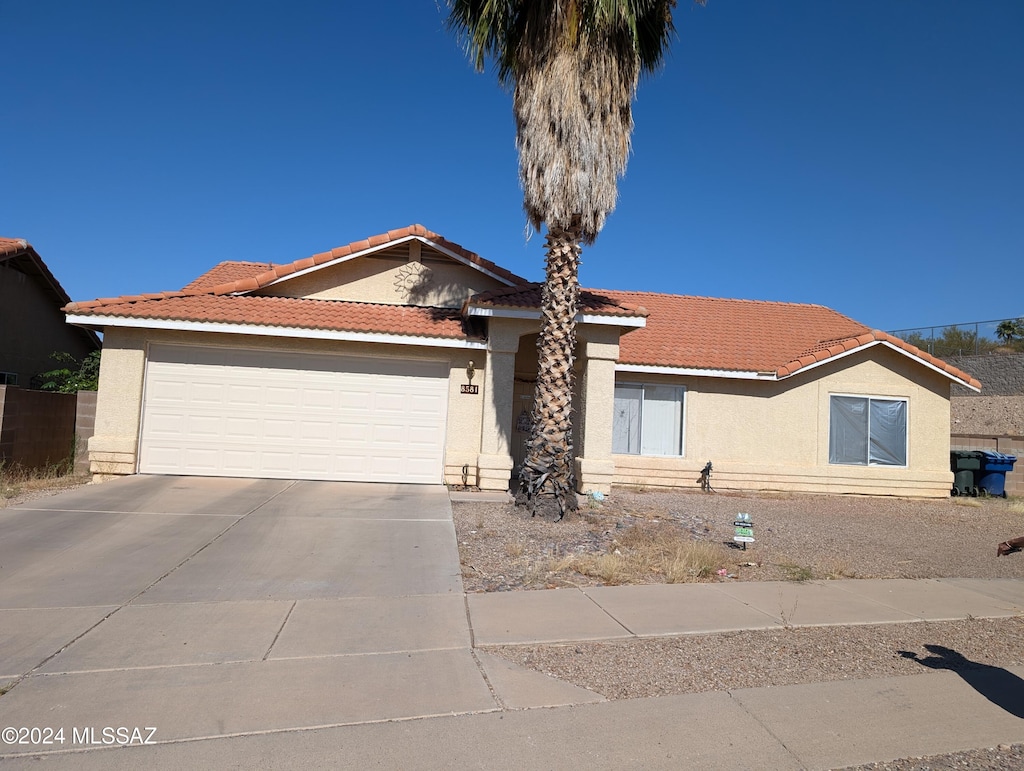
772, 339
21, 254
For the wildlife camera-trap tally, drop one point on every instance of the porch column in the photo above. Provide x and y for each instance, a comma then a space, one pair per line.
494, 463
114, 445
595, 468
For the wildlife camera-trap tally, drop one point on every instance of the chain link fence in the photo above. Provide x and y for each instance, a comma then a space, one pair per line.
970, 339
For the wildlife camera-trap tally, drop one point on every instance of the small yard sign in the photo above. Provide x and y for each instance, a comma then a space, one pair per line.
744, 530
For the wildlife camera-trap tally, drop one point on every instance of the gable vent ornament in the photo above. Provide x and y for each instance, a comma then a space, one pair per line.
413, 277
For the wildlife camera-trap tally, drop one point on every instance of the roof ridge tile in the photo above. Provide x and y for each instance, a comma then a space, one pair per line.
276, 272
784, 303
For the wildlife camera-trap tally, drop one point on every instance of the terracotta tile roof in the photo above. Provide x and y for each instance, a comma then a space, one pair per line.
334, 315
13, 246
746, 335
225, 273
215, 295
682, 331
271, 273
831, 348
596, 302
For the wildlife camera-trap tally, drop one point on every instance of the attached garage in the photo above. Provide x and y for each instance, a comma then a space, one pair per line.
275, 414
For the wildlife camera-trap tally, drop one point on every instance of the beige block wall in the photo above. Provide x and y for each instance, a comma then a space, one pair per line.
1013, 483
383, 277
774, 435
113, 449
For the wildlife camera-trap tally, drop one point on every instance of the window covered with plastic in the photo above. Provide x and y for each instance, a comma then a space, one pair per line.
867, 431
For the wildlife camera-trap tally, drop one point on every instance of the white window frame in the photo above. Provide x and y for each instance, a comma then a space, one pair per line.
869, 398
682, 418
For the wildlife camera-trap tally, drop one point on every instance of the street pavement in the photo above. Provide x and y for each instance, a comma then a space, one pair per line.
279, 624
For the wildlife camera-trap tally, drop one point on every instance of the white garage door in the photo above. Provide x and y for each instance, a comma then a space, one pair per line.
252, 413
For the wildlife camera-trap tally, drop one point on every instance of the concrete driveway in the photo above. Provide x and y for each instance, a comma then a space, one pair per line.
166, 622
216, 607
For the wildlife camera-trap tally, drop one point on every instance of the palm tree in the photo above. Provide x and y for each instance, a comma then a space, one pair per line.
573, 66
1010, 329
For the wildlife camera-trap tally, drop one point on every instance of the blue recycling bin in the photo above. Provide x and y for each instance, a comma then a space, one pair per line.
992, 474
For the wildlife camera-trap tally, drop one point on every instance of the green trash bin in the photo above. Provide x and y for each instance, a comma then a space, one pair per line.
965, 464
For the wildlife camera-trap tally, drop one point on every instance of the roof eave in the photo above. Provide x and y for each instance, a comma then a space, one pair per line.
312, 333
50, 282
730, 374
371, 249
533, 313
469, 263
795, 367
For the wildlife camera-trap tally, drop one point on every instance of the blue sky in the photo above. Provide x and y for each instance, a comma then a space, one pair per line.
865, 156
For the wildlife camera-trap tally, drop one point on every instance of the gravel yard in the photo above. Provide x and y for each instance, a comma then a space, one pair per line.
798, 537
22, 490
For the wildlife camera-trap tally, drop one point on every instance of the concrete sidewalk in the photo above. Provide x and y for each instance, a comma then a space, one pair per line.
428, 711
816, 726
616, 612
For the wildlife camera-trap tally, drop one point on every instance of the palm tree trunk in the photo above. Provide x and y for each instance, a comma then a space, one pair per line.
549, 466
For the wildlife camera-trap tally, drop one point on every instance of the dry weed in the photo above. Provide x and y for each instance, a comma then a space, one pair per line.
838, 568
972, 503
16, 480
647, 550
796, 572
516, 548
694, 560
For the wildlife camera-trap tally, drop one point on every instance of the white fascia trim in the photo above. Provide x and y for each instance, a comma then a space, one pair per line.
743, 375
692, 372
261, 331
388, 245
612, 321
335, 261
581, 318
459, 258
891, 347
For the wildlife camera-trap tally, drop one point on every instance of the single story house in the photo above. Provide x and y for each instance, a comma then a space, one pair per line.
407, 358
32, 326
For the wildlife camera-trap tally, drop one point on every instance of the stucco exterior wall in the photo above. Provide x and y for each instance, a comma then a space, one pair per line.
759, 435
391, 277
113, 449
774, 435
